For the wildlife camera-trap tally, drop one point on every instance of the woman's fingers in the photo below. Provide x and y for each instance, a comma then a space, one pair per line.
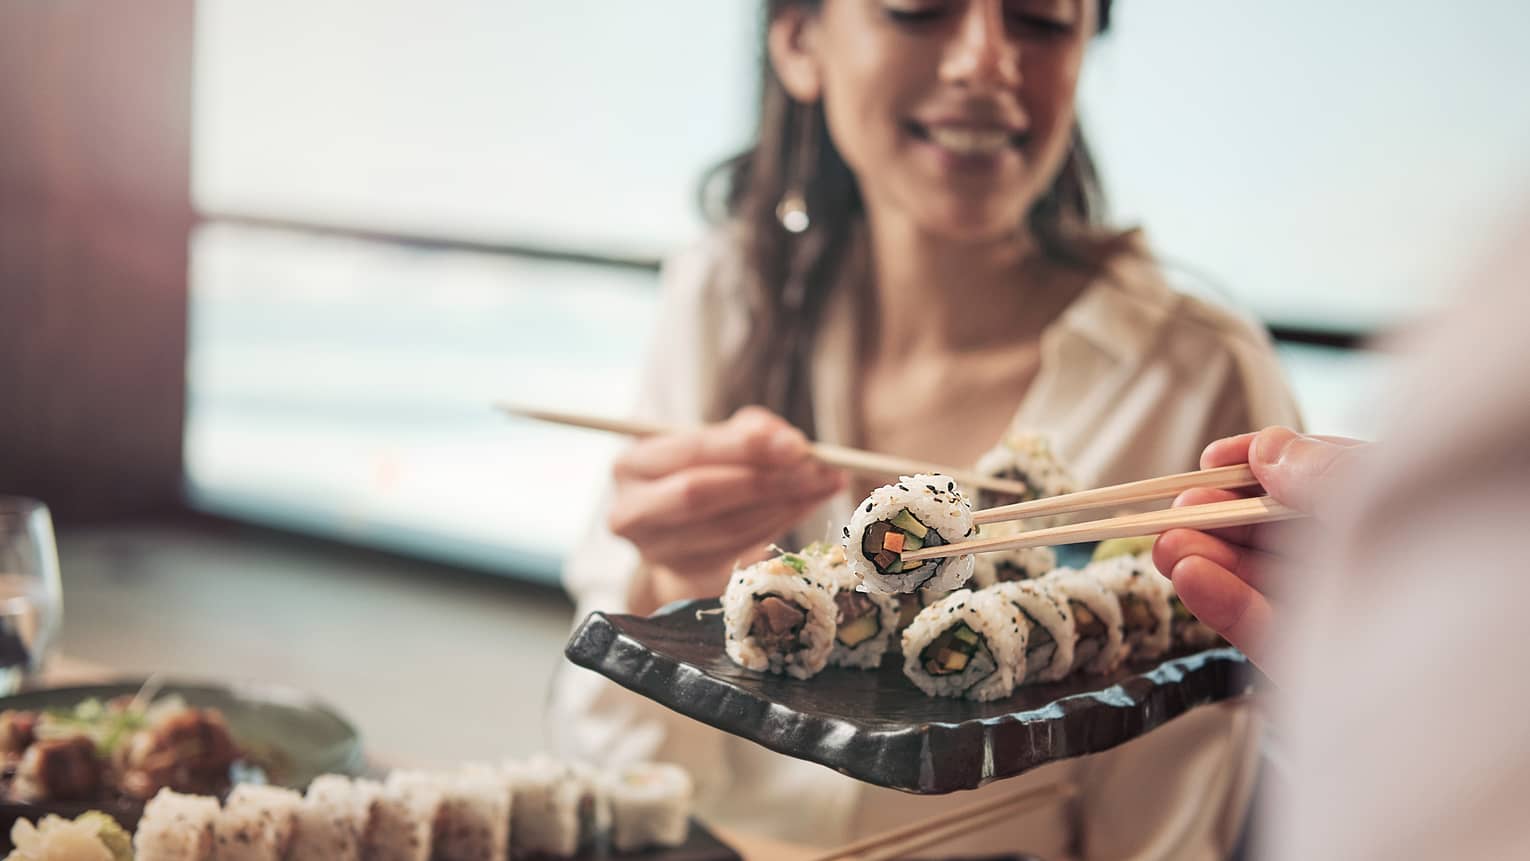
696, 494
725, 536
1225, 602
752, 436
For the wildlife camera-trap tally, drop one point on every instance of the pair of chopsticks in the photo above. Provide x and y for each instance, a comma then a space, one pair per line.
901, 842
1214, 515
854, 460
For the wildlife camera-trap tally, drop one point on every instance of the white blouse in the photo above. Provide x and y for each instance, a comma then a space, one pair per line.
1135, 378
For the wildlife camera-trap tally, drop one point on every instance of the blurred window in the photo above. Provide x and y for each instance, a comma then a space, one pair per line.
414, 209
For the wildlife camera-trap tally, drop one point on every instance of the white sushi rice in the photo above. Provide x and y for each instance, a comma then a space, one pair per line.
1097, 655
256, 824
828, 565
650, 806
1146, 617
332, 822
1006, 565
404, 818
176, 827
1027, 458
545, 812
474, 822
1041, 605
939, 505
785, 577
990, 616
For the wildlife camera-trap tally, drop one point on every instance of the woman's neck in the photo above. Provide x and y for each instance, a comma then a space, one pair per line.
932, 295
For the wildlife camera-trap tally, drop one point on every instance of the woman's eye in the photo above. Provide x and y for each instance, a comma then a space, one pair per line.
913, 14
1041, 25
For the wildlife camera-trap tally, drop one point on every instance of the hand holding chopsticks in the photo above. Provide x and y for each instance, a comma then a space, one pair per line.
853, 460
1235, 512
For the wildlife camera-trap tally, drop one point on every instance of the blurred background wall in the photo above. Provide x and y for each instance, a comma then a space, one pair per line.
95, 210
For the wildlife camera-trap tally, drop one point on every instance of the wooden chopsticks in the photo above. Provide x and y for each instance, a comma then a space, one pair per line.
938, 829
854, 460
1215, 515
1163, 487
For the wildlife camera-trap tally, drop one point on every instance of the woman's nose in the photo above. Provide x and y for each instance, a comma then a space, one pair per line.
982, 53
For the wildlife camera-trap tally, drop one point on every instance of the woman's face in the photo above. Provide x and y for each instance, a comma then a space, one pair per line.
955, 114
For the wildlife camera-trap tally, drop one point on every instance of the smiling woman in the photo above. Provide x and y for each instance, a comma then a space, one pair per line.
912, 258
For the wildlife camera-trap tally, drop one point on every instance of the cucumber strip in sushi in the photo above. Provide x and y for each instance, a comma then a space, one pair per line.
920, 511
1099, 648
968, 644
1028, 459
1144, 597
1007, 566
1051, 634
864, 624
777, 617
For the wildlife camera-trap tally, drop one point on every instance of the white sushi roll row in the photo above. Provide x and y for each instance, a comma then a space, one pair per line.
982, 644
537, 808
1028, 459
919, 511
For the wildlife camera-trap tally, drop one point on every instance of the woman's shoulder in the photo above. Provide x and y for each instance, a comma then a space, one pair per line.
708, 272
1180, 305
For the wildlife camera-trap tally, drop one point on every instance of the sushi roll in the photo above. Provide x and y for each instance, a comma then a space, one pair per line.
777, 617
1050, 635
474, 823
1006, 566
968, 644
556, 808
1028, 459
1144, 597
403, 825
176, 827
256, 824
1099, 647
650, 806
332, 821
864, 624
920, 511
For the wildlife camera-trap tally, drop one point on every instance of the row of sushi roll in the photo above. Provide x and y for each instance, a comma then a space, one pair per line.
1023, 619
539, 808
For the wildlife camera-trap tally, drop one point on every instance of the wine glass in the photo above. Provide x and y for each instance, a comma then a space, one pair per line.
31, 602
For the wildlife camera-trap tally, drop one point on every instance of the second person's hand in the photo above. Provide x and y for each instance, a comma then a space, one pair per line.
1224, 575
695, 502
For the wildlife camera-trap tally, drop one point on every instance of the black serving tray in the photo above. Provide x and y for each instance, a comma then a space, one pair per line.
874, 725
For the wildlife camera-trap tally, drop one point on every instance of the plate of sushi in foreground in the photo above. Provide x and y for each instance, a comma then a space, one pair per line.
927, 675
111, 747
527, 809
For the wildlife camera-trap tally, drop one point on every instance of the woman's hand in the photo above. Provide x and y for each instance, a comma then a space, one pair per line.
696, 502
1223, 575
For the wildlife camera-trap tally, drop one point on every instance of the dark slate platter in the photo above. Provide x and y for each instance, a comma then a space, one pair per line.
875, 726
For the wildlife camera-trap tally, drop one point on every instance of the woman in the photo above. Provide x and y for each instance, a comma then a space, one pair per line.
913, 262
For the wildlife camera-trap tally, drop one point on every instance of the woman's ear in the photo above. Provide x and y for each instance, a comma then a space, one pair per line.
792, 39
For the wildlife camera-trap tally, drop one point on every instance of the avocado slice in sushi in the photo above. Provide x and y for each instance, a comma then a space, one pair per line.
952, 651
910, 524
858, 619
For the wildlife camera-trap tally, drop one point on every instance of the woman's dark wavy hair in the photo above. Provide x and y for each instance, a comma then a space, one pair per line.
789, 275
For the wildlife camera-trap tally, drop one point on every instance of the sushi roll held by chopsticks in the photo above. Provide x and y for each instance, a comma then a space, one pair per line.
920, 511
